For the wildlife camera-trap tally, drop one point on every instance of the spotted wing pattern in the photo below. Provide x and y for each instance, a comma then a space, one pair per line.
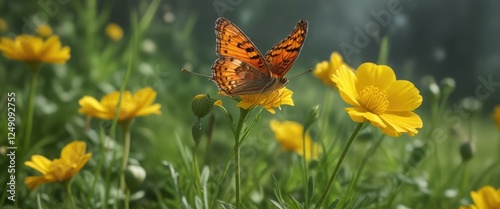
235, 77
241, 69
281, 57
232, 42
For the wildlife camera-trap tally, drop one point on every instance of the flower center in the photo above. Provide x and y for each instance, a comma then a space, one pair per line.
374, 99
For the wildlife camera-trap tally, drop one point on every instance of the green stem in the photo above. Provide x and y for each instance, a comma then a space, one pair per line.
337, 167
31, 105
363, 163
196, 170
306, 173
71, 201
237, 145
221, 179
127, 198
99, 166
126, 152
383, 53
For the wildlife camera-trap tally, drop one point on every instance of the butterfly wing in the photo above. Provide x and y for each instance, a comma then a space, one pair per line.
281, 57
235, 77
232, 42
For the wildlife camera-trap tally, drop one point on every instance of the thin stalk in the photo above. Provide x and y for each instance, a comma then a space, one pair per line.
31, 105
126, 152
306, 172
127, 198
337, 167
237, 146
70, 200
363, 163
99, 166
221, 178
196, 170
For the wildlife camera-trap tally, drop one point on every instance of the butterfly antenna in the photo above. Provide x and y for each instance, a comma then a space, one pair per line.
199, 74
300, 74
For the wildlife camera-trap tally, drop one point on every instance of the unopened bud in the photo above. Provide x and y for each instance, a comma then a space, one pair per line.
466, 151
417, 154
434, 91
471, 104
202, 105
448, 86
134, 176
312, 116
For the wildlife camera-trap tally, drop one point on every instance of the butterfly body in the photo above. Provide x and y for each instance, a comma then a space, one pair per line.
241, 69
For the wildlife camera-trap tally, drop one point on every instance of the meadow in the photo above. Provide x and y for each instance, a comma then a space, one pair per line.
97, 113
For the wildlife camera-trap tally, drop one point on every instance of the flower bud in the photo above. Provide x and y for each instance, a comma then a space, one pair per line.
196, 131
466, 151
471, 104
134, 176
417, 154
434, 91
448, 86
202, 105
312, 116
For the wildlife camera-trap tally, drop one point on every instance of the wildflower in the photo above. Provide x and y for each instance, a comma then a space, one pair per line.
324, 70
486, 198
3, 25
73, 158
269, 101
289, 135
44, 30
31, 49
139, 104
379, 98
114, 31
496, 116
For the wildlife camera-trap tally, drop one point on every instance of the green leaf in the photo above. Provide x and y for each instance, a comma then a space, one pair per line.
310, 185
334, 204
226, 205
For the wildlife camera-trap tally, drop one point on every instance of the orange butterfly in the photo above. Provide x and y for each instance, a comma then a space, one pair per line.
241, 69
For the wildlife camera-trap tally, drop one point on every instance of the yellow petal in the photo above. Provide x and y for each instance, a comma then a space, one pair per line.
401, 122
403, 96
35, 181
496, 116
370, 74
73, 151
486, 198
91, 107
39, 163
346, 80
153, 109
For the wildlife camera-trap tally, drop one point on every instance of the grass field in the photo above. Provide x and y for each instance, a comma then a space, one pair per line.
171, 163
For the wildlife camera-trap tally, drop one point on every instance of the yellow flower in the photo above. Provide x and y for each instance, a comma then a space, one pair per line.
379, 98
269, 101
114, 31
289, 135
486, 198
324, 70
44, 30
33, 49
496, 116
139, 104
3, 25
73, 158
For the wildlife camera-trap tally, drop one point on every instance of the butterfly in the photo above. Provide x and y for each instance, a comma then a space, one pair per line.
241, 69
